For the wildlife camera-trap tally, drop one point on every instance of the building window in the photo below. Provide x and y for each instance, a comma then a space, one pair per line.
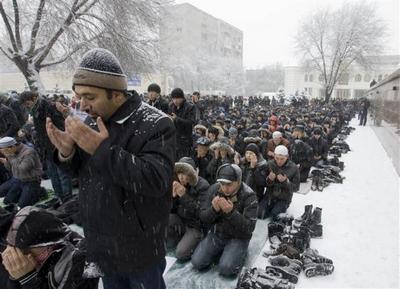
306, 78
310, 78
322, 93
380, 77
358, 78
204, 36
321, 78
178, 29
367, 78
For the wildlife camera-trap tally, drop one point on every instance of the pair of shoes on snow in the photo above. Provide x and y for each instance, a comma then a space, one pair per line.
284, 268
315, 264
311, 219
256, 278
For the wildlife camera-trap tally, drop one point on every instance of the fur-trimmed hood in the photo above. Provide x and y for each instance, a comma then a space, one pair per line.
251, 139
188, 170
222, 146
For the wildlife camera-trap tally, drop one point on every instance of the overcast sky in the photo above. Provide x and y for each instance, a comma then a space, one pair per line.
269, 26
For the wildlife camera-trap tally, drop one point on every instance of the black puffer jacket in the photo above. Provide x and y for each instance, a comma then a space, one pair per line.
302, 154
184, 123
9, 124
320, 147
188, 206
283, 191
256, 178
125, 189
42, 109
240, 222
160, 104
20, 112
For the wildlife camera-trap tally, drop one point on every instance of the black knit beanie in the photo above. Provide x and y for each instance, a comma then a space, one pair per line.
253, 148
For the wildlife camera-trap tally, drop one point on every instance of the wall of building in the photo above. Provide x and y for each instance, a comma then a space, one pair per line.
385, 109
353, 85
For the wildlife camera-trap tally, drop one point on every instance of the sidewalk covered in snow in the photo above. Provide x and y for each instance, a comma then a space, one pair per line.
360, 219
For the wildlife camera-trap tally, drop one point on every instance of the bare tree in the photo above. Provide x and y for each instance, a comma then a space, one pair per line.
42, 33
331, 41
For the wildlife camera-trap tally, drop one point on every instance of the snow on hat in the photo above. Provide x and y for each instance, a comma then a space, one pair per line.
100, 68
33, 227
7, 142
229, 173
281, 150
233, 132
276, 134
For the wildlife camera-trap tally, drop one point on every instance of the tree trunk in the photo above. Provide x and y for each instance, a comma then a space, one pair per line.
328, 94
30, 73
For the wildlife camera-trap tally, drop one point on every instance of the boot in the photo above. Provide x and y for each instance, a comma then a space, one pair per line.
282, 273
312, 269
275, 229
283, 249
255, 278
301, 239
315, 230
313, 256
283, 261
316, 216
306, 215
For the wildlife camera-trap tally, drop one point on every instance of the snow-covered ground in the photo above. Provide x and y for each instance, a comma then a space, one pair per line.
360, 219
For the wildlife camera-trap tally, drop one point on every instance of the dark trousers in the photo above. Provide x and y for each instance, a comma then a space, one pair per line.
184, 238
276, 207
60, 180
151, 279
363, 118
232, 251
18, 192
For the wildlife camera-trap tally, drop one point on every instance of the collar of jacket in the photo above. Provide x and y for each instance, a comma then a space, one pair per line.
127, 109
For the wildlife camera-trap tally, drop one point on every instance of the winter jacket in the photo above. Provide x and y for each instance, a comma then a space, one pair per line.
320, 147
19, 111
160, 104
125, 189
25, 165
240, 222
201, 164
256, 178
271, 145
184, 123
188, 206
42, 109
302, 154
283, 191
9, 124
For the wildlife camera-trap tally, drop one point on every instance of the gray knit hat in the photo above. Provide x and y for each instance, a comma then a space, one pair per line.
100, 68
7, 142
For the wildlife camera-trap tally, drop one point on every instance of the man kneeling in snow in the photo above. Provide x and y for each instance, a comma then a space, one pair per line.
42, 252
185, 228
231, 210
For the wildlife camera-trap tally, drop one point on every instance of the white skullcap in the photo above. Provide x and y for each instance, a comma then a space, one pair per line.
276, 134
281, 150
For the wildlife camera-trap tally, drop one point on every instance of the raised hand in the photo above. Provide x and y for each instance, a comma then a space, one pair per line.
60, 139
85, 137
